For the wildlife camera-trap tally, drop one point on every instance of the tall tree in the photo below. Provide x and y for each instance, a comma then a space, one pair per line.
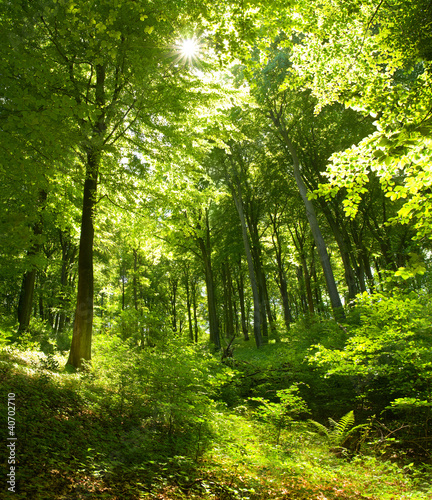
110, 67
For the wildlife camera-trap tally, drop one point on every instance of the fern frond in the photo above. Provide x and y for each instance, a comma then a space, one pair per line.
322, 429
342, 427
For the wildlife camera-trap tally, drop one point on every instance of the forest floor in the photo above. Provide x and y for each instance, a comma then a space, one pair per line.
68, 448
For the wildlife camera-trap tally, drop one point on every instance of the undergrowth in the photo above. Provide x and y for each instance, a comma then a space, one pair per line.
158, 425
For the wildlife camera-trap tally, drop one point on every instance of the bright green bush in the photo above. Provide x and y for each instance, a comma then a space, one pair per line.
389, 357
282, 413
168, 388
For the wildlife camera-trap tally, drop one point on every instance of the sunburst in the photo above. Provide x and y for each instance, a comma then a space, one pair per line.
187, 51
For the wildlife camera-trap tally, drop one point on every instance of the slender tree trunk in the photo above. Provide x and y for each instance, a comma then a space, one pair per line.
345, 249
229, 315
270, 315
302, 290
252, 224
315, 229
307, 282
69, 251
240, 288
253, 280
194, 306
189, 306
173, 301
205, 248
134, 279
230, 301
281, 277
25, 303
211, 303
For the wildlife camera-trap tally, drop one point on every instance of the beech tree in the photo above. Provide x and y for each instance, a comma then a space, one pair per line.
114, 70
380, 66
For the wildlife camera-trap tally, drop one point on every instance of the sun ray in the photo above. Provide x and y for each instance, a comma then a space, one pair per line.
187, 51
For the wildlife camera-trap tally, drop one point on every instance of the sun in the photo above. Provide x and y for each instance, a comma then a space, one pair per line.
187, 50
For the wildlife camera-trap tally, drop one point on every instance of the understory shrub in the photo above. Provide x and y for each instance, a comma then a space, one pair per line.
168, 388
388, 356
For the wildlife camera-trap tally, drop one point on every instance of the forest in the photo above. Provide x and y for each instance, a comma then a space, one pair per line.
216, 255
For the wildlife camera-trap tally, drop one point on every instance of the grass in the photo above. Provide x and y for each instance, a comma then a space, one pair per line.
78, 440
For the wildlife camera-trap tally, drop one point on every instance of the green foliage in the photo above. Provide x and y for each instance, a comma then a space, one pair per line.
290, 407
343, 437
388, 355
171, 386
81, 440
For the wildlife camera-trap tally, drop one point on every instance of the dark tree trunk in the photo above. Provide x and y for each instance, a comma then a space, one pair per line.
173, 302
69, 251
205, 248
281, 277
83, 324
134, 279
302, 290
313, 222
25, 303
345, 249
189, 306
240, 288
194, 306
307, 282
229, 315
252, 276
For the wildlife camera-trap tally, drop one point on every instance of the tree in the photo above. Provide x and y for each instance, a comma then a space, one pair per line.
381, 67
111, 70
282, 108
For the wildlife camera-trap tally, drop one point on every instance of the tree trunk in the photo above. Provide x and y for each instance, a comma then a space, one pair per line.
315, 229
25, 303
194, 306
173, 302
189, 306
307, 282
83, 324
240, 288
254, 284
281, 277
345, 249
205, 248
69, 251
134, 279
228, 300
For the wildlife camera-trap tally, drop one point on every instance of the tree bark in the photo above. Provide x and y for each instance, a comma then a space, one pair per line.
194, 306
83, 324
313, 223
281, 277
205, 248
25, 303
189, 306
253, 280
240, 287
345, 249
229, 314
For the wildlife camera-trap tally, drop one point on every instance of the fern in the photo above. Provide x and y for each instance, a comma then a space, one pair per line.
322, 429
338, 431
345, 423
